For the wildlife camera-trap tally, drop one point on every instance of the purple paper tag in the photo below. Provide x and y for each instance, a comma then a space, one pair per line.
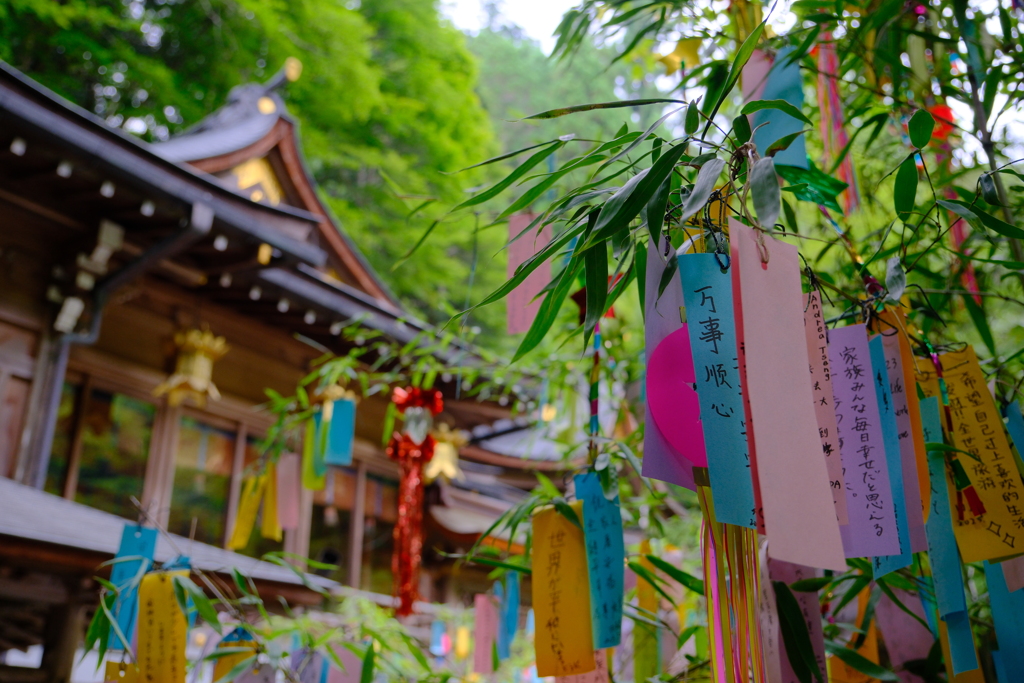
872, 528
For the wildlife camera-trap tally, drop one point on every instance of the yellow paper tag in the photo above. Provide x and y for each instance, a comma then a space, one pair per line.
271, 526
838, 671
928, 378
225, 664
978, 429
462, 644
561, 595
162, 629
248, 506
309, 477
120, 672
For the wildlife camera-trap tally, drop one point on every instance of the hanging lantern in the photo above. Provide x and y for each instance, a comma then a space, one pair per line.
445, 463
193, 371
411, 449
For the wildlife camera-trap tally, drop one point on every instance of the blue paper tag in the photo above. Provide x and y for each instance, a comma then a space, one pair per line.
337, 443
707, 292
606, 556
893, 460
961, 643
1008, 617
942, 551
508, 621
139, 544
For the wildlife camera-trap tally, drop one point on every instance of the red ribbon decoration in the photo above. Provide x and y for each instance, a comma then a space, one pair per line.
408, 534
418, 398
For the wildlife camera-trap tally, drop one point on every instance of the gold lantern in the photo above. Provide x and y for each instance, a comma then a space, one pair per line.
445, 462
193, 371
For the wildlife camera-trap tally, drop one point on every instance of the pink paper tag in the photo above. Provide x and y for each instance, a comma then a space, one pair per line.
809, 607
796, 499
905, 637
288, 476
522, 303
673, 401
485, 631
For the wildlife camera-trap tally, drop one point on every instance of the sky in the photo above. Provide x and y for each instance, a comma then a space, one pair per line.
538, 18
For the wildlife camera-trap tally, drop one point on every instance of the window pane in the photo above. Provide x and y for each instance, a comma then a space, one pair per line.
329, 540
115, 447
202, 481
60, 453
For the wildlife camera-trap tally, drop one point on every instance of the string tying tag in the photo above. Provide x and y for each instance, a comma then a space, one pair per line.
762, 248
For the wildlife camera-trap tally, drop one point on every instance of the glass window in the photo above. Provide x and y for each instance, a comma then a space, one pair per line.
115, 446
202, 481
329, 540
63, 435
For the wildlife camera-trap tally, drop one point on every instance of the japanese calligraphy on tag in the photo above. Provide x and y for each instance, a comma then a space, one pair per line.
978, 429
891, 443
905, 429
598, 675
707, 292
605, 559
821, 385
564, 640
162, 630
872, 529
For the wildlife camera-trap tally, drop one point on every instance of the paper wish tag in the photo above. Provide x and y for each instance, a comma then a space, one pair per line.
978, 429
908, 437
872, 531
138, 544
891, 443
661, 318
707, 291
673, 402
824, 410
564, 641
162, 629
789, 472
120, 672
605, 559
598, 675
810, 609
485, 633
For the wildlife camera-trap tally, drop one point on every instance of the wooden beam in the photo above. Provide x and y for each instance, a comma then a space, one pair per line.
357, 521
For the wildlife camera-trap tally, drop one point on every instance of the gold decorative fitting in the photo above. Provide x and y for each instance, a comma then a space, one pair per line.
445, 463
334, 392
193, 372
292, 69
266, 105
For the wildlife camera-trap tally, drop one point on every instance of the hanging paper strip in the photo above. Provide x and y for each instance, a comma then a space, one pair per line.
162, 630
838, 671
891, 447
314, 470
707, 291
978, 430
672, 399
120, 672
255, 673
523, 302
598, 675
810, 609
139, 544
500, 644
799, 516
832, 124
605, 559
893, 318
561, 595
646, 650
872, 531
1008, 617
960, 652
770, 629
485, 633
270, 526
824, 410
248, 507
509, 617
462, 643
336, 425
309, 667
910, 481
661, 318
905, 637
784, 82
942, 551
289, 475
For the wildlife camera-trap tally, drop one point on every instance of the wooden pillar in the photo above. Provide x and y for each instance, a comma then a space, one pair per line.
77, 434
163, 447
64, 632
357, 521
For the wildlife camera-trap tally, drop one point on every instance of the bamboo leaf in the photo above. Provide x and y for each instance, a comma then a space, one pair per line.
980, 322
595, 271
857, 661
811, 585
563, 111
920, 128
976, 216
707, 177
678, 575
764, 187
795, 634
366, 675
549, 308
905, 188
692, 118
647, 576
507, 181
783, 143
781, 105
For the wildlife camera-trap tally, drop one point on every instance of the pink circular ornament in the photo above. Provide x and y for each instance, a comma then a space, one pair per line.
672, 398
